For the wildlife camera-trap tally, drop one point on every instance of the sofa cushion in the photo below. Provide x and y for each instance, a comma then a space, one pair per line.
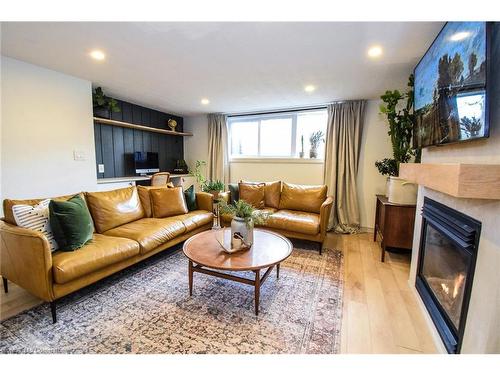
149, 232
9, 203
234, 193
168, 202
145, 197
111, 209
100, 252
272, 192
294, 221
195, 219
252, 193
71, 223
308, 198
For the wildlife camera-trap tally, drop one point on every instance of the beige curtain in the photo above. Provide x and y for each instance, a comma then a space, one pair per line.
343, 138
218, 159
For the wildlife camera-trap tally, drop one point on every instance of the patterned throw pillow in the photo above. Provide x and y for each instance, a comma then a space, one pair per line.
36, 218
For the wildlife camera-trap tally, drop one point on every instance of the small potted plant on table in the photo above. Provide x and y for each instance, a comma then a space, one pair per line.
245, 217
315, 139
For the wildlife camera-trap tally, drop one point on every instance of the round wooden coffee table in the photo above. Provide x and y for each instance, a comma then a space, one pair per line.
205, 255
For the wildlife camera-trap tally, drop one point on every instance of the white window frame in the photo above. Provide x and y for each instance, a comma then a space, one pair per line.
268, 116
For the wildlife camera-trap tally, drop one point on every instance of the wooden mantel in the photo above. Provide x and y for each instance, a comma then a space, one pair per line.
478, 181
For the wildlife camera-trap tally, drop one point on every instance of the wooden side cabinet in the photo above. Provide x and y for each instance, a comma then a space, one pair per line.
394, 224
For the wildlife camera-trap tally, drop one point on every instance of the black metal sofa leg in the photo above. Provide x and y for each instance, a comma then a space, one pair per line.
53, 311
5, 285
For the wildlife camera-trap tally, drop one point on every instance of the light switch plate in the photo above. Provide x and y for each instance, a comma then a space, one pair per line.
100, 168
79, 155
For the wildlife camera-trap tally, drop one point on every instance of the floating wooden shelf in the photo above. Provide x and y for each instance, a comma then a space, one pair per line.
478, 181
139, 127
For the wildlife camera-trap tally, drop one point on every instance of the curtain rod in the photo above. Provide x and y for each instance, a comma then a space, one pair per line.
277, 111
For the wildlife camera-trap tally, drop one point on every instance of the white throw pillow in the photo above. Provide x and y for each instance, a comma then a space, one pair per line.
36, 218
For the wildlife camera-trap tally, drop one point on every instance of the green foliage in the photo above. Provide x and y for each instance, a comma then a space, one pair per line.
387, 167
401, 124
216, 185
99, 100
245, 211
200, 178
316, 138
471, 126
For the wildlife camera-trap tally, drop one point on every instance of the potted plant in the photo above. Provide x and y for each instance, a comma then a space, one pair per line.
301, 153
213, 187
245, 217
401, 123
103, 105
315, 139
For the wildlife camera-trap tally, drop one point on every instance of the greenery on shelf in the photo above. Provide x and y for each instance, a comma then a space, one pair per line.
101, 101
401, 124
244, 211
209, 186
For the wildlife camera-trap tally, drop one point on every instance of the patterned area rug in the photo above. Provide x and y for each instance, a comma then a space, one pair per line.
147, 309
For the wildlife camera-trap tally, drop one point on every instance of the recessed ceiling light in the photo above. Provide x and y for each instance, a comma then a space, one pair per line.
461, 35
97, 55
205, 101
309, 88
375, 51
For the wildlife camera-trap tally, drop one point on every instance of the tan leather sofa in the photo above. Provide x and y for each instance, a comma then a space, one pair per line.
295, 211
125, 233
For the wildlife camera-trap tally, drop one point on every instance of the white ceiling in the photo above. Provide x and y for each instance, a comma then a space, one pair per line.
238, 66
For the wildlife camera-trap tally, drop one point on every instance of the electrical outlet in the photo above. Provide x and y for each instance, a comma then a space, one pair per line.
79, 155
100, 168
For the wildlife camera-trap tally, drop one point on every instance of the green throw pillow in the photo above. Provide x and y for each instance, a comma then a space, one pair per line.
190, 196
235, 192
71, 223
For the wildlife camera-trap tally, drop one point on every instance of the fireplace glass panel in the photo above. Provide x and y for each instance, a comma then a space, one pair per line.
445, 268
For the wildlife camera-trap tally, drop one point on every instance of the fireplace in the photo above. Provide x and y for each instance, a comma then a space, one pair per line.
446, 262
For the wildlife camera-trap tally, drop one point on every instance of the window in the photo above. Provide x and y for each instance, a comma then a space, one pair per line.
280, 135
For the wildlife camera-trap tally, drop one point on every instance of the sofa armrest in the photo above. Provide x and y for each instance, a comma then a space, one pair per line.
324, 215
26, 260
205, 201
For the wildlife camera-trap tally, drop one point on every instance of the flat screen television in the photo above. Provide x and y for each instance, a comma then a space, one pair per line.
146, 162
451, 94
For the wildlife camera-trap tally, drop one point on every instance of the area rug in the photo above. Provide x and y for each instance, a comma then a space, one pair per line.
147, 309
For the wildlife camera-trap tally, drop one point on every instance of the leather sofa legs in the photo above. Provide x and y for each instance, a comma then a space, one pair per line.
53, 311
5, 285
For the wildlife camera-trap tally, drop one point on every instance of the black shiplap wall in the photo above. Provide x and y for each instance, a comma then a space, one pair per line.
114, 146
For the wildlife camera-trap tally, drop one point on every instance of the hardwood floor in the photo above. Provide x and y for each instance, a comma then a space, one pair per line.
380, 313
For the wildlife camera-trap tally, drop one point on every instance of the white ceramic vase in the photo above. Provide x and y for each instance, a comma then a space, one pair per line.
243, 228
401, 191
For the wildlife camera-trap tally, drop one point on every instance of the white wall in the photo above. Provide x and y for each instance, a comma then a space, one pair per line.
375, 145
45, 116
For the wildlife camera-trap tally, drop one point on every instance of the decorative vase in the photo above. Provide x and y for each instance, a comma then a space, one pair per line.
301, 154
387, 181
401, 191
313, 153
244, 228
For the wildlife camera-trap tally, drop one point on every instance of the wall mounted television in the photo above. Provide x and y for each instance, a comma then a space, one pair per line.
451, 86
146, 162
